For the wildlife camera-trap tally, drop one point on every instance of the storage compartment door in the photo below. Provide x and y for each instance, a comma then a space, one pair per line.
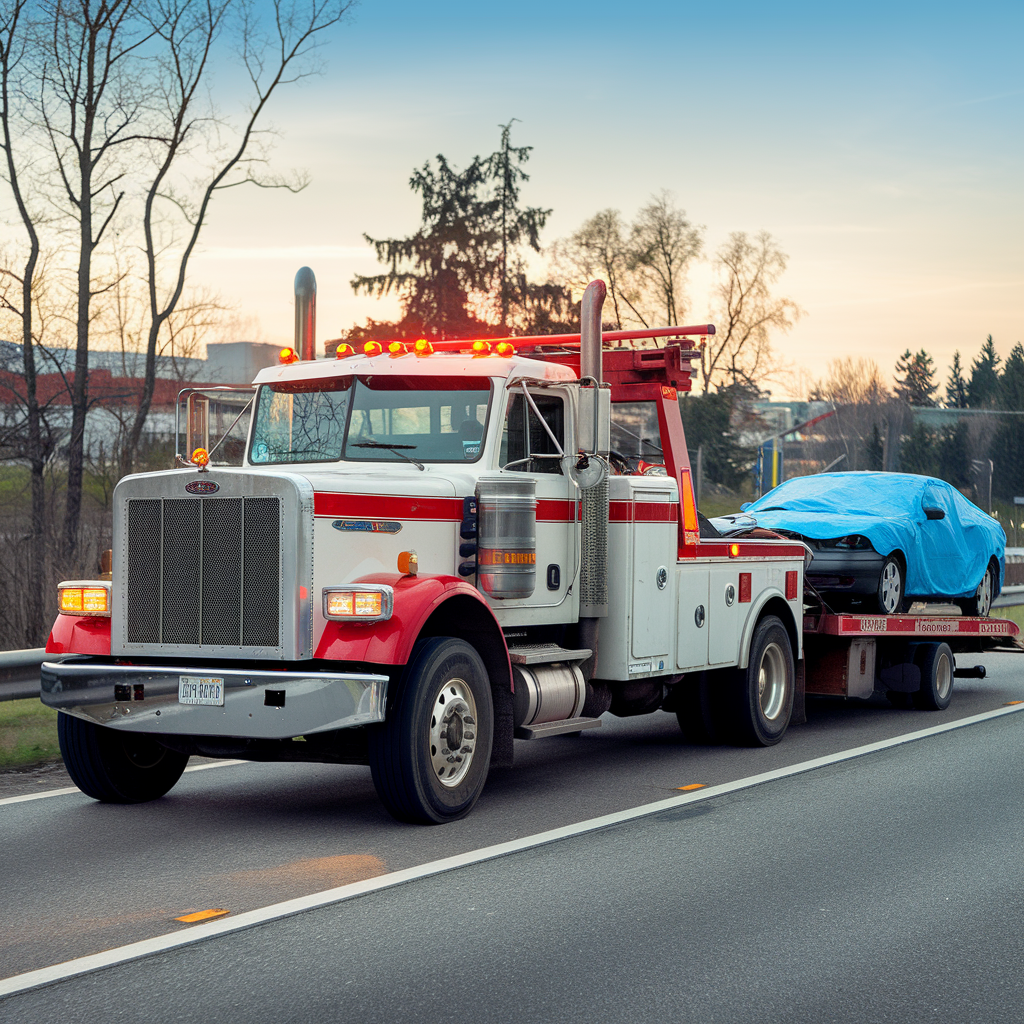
691, 620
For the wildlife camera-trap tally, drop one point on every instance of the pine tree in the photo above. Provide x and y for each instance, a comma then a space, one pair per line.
1011, 383
516, 226
915, 378
983, 389
874, 450
918, 451
956, 387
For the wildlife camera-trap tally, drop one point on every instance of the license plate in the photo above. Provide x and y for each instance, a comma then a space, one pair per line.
201, 690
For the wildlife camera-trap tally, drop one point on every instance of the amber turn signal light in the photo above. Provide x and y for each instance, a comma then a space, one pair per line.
355, 603
83, 597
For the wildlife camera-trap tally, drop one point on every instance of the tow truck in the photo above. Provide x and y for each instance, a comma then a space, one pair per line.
432, 549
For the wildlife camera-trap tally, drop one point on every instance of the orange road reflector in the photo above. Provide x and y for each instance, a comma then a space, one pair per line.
693, 785
1007, 703
202, 915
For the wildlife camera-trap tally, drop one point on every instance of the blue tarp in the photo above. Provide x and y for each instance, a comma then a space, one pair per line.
945, 557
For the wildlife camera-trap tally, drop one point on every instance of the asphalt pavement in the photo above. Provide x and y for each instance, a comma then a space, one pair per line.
80, 877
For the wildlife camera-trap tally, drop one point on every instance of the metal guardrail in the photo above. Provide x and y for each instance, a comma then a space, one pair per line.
19, 670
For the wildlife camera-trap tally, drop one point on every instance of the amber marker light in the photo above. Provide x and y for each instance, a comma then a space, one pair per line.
505, 348
480, 348
396, 349
734, 550
344, 351
287, 355
368, 603
373, 348
83, 597
408, 563
423, 347
200, 457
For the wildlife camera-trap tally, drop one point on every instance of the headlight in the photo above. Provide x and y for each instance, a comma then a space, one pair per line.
354, 603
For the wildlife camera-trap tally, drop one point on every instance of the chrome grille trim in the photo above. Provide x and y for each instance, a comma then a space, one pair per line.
216, 576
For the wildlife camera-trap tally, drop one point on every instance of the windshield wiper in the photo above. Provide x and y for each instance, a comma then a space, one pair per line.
396, 448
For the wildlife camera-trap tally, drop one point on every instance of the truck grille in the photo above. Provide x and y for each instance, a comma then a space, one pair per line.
203, 572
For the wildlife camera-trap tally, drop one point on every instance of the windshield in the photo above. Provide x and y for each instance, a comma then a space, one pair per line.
371, 419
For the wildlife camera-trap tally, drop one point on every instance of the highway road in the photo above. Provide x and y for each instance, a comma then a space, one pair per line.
881, 888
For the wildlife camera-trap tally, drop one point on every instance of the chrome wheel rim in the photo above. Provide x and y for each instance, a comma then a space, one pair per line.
943, 677
983, 598
771, 682
452, 732
891, 587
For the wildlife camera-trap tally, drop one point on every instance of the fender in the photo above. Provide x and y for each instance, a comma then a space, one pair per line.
417, 598
771, 594
79, 634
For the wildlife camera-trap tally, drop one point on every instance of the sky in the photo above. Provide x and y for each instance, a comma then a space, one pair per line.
881, 144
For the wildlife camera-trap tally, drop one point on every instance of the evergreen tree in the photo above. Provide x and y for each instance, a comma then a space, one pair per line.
918, 451
915, 378
953, 455
707, 420
461, 273
983, 389
956, 387
874, 450
516, 226
1011, 384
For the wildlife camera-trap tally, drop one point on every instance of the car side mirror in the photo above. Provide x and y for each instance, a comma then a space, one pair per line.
934, 513
745, 506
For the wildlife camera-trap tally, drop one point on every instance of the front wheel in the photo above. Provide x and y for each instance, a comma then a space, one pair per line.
431, 755
981, 603
761, 702
114, 766
891, 587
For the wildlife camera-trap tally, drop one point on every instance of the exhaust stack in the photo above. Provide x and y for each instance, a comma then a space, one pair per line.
305, 313
590, 330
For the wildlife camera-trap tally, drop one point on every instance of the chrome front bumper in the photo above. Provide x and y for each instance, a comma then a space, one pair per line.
257, 705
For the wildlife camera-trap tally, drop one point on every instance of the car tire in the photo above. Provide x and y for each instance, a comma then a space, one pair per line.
937, 670
892, 586
981, 603
759, 699
422, 770
116, 767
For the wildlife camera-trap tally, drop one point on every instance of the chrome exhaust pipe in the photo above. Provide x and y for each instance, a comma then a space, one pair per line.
305, 313
590, 330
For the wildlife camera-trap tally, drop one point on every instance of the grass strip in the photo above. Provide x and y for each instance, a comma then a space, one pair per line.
28, 733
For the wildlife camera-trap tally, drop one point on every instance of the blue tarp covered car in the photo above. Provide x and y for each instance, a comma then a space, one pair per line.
885, 537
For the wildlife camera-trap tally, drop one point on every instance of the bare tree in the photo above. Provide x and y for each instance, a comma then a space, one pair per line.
12, 52
600, 248
852, 381
747, 313
662, 245
189, 31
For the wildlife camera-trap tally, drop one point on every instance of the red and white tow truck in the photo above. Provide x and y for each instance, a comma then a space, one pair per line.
433, 549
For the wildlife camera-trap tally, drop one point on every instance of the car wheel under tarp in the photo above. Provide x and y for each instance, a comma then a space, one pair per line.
892, 587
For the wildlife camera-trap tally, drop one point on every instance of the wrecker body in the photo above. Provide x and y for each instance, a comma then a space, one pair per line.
428, 552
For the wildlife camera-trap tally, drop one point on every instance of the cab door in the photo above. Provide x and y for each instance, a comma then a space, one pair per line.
536, 446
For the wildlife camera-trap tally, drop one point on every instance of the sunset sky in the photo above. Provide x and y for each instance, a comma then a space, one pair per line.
880, 143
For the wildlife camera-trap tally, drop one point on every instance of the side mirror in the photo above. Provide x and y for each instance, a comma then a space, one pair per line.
745, 506
934, 513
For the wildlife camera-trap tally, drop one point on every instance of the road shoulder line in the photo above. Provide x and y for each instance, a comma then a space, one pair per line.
148, 947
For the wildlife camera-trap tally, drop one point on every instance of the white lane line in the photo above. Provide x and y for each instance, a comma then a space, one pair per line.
226, 925
74, 789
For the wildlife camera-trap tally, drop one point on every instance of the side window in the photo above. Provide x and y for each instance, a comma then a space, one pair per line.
525, 445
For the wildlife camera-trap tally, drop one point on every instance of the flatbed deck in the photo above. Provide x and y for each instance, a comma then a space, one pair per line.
963, 633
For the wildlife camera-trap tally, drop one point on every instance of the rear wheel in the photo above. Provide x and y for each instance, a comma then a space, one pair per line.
891, 587
116, 767
761, 699
431, 756
981, 603
937, 668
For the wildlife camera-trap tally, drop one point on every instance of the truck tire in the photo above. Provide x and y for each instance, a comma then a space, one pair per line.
937, 667
760, 697
116, 767
431, 755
